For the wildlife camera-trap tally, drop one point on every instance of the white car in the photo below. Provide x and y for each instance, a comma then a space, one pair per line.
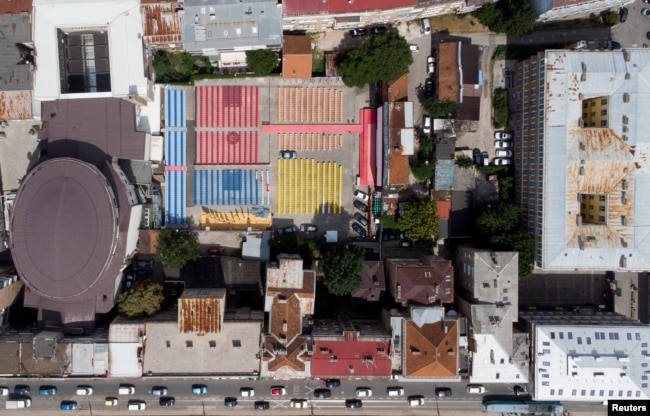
426, 125
416, 400
247, 392
431, 65
414, 48
299, 403
159, 391
475, 389
84, 390
502, 144
502, 135
364, 392
503, 153
361, 195
500, 161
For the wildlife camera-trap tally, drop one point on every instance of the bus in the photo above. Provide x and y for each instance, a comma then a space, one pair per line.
527, 407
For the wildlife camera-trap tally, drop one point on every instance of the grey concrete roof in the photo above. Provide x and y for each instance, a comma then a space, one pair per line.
14, 29
238, 25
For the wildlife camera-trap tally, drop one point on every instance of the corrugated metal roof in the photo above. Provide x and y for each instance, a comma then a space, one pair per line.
201, 310
444, 180
161, 23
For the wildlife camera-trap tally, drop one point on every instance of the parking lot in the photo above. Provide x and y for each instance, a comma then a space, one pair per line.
633, 32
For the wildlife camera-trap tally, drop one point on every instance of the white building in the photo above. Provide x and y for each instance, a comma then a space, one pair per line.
572, 9
88, 48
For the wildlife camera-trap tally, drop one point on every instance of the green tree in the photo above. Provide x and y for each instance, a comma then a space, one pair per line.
500, 108
384, 58
512, 17
496, 222
178, 66
506, 183
342, 265
465, 162
261, 61
177, 247
141, 300
522, 243
438, 109
611, 18
420, 222
422, 168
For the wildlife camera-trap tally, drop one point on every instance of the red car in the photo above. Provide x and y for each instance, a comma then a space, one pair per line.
278, 391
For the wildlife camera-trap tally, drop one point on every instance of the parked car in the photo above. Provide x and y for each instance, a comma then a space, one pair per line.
322, 393
262, 405
353, 403
308, 228
361, 195
230, 401
128, 280
126, 389
159, 390
84, 390
500, 161
362, 220
111, 401
428, 87
378, 29
69, 405
247, 392
478, 157
426, 125
21, 389
299, 403
504, 153
288, 154
415, 400
278, 391
645, 12
167, 401
395, 391
623, 14
426, 26
199, 389
144, 264
414, 48
363, 392
287, 230
332, 383
357, 32
431, 67
443, 392
519, 391
360, 206
502, 135
215, 251
47, 391
485, 157
359, 230
4, 391
475, 389
502, 144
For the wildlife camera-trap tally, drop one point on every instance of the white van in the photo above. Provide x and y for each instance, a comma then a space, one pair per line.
426, 26
18, 403
395, 391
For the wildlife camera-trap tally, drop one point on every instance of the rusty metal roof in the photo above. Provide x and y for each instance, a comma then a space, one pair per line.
448, 74
161, 23
15, 105
201, 310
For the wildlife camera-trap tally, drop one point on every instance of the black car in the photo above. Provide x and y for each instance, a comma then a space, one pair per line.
428, 87
353, 403
262, 405
357, 32
360, 205
443, 392
167, 401
362, 220
21, 389
322, 393
478, 157
287, 230
378, 29
519, 391
332, 383
359, 230
230, 401
623, 14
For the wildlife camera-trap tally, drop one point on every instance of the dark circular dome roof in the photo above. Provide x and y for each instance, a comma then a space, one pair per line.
64, 228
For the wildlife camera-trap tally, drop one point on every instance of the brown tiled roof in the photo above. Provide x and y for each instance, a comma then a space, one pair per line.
430, 351
286, 318
448, 76
161, 23
427, 280
15, 6
199, 310
399, 89
293, 357
15, 105
399, 169
373, 282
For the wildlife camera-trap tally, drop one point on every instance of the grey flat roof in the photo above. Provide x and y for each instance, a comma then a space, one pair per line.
230, 25
14, 29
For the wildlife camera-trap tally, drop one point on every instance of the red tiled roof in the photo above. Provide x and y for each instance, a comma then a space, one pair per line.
368, 147
426, 281
15, 6
356, 6
291, 359
443, 208
297, 58
351, 359
299, 7
430, 351
286, 318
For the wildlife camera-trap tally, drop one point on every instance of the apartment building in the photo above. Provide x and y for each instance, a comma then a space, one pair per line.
581, 170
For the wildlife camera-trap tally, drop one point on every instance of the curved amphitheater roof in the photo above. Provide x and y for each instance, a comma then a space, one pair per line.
64, 229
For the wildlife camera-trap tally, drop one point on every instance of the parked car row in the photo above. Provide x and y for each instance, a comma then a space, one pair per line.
362, 31
503, 148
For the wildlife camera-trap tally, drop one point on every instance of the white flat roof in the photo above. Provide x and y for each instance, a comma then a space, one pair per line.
123, 21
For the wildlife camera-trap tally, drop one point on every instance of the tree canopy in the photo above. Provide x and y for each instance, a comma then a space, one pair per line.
141, 300
177, 247
512, 17
342, 265
420, 221
178, 66
261, 61
439, 109
384, 58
